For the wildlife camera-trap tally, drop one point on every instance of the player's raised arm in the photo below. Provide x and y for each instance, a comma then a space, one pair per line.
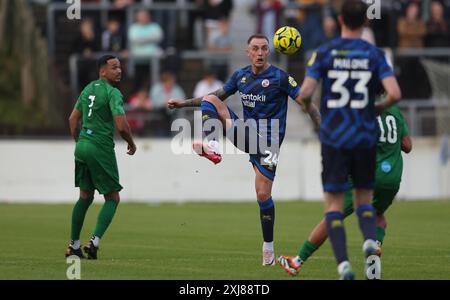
74, 122
195, 102
124, 130
304, 99
393, 94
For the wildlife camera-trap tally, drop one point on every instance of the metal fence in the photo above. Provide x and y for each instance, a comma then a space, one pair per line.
422, 113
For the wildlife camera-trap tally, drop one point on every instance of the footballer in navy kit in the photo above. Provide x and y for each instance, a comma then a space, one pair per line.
351, 71
264, 91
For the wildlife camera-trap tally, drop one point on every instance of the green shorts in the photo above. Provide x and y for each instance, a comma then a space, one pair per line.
96, 168
382, 199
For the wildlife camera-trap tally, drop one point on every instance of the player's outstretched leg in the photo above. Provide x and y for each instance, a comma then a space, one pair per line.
263, 187
104, 219
267, 218
208, 150
367, 223
214, 118
78, 215
381, 232
336, 231
291, 264
334, 218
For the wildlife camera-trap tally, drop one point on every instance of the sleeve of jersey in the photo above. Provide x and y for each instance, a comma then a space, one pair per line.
230, 86
78, 104
116, 103
314, 66
384, 67
292, 87
405, 129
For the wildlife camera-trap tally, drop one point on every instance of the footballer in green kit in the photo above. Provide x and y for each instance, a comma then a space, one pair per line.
394, 138
100, 110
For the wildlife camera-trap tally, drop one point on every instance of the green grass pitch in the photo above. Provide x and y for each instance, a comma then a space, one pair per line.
214, 241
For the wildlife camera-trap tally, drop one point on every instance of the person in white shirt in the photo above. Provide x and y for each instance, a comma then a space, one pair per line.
208, 84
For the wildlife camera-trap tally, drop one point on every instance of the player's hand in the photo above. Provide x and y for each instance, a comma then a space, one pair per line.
175, 103
131, 149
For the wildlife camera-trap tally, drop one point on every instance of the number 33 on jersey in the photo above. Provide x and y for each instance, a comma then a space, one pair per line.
351, 71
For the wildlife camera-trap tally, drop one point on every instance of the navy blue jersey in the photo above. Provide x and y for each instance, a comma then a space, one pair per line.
352, 71
264, 96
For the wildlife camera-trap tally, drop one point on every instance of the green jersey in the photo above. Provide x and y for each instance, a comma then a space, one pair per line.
389, 167
99, 102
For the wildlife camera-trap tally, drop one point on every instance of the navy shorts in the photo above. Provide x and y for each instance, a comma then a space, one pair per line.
338, 164
265, 160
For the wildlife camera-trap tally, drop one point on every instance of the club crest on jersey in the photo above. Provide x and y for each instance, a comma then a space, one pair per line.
265, 83
243, 79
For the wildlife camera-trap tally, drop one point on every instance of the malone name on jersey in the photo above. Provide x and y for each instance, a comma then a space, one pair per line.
351, 63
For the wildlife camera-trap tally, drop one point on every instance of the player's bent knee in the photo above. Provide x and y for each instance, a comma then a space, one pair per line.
221, 108
114, 196
212, 99
86, 194
262, 196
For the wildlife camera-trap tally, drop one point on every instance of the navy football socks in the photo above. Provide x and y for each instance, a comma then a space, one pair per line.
267, 217
336, 233
367, 221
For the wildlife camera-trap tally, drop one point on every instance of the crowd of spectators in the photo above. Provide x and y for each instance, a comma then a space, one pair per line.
412, 24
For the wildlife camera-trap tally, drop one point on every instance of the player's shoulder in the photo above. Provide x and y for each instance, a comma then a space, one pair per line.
112, 90
329, 46
243, 71
88, 89
394, 110
279, 73
376, 51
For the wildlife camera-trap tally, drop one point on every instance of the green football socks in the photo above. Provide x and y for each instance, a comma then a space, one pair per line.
105, 217
381, 232
307, 250
78, 214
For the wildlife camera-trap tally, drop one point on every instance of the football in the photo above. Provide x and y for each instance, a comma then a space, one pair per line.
287, 40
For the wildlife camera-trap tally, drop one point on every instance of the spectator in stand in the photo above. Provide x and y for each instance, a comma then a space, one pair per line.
122, 3
144, 37
437, 27
168, 17
215, 10
140, 100
166, 89
268, 13
160, 94
138, 107
85, 44
113, 38
411, 28
310, 24
330, 28
207, 85
221, 43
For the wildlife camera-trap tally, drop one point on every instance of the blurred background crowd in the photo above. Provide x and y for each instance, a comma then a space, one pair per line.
187, 48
